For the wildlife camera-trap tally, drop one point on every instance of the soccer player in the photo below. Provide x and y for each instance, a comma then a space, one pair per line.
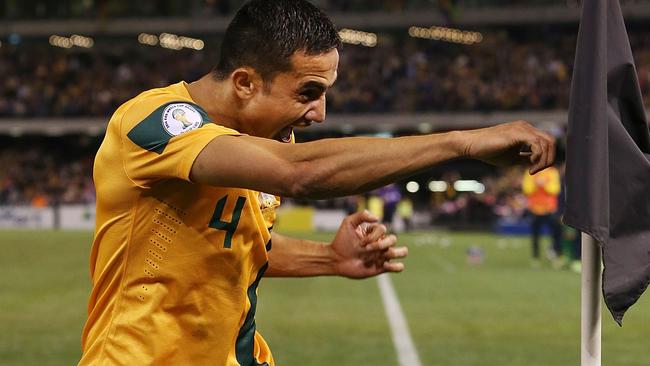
188, 178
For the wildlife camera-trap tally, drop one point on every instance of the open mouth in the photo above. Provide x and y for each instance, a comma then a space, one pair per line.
285, 134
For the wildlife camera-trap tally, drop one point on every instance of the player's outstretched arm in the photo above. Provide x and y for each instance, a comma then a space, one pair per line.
360, 249
345, 166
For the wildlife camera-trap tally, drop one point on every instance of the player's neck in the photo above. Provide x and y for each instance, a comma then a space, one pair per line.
216, 100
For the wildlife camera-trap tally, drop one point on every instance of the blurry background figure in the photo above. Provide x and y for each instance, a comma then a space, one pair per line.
390, 197
571, 240
405, 212
352, 204
571, 245
39, 200
542, 191
475, 256
375, 205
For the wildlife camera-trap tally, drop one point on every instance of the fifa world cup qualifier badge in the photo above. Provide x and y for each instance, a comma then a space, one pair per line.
179, 118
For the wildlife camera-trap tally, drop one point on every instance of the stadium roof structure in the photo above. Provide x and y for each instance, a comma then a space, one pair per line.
484, 16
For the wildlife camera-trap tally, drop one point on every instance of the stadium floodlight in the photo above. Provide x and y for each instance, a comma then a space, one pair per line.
81, 41
438, 186
412, 187
148, 39
195, 44
480, 188
171, 41
444, 34
469, 186
175, 42
74, 40
357, 37
59, 41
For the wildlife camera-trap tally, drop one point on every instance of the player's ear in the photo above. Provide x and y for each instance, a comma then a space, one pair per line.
246, 82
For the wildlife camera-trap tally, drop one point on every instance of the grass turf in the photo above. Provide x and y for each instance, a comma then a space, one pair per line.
500, 313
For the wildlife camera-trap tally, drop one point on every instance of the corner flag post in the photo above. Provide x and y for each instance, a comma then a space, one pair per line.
590, 315
608, 167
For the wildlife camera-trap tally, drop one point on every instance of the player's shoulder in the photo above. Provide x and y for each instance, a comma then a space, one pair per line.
170, 110
157, 116
173, 100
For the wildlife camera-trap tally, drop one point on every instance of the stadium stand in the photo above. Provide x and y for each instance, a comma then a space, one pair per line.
401, 75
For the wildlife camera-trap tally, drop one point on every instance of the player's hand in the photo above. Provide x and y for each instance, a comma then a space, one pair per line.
362, 249
509, 144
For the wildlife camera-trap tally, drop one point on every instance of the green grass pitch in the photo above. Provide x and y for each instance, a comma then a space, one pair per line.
500, 313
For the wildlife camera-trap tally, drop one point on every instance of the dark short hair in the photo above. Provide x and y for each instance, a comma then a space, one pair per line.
264, 34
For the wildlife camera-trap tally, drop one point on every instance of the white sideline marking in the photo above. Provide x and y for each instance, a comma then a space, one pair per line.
406, 353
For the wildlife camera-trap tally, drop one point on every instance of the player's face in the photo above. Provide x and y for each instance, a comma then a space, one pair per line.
295, 98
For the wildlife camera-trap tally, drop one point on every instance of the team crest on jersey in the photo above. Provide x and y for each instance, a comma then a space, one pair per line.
268, 204
178, 118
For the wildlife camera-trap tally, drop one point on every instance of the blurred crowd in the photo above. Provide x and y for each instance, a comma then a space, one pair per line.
48, 82
399, 75
496, 74
37, 177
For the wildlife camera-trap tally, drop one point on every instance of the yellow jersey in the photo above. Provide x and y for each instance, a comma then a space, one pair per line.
542, 191
175, 265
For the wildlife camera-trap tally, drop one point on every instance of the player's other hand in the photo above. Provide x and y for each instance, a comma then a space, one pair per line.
362, 249
510, 143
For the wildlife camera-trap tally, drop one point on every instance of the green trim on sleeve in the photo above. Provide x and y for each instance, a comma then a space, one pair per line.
169, 120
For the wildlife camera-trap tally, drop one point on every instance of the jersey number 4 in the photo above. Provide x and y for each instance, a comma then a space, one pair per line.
229, 227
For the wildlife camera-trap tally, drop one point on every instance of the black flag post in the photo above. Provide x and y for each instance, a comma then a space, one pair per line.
608, 155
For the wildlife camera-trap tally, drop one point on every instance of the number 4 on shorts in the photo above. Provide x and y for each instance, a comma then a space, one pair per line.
228, 227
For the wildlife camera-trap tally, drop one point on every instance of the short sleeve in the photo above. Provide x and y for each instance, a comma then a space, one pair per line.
161, 139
